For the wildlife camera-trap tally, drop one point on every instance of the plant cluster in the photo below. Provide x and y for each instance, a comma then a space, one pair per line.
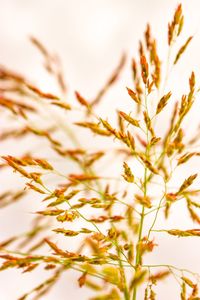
104, 214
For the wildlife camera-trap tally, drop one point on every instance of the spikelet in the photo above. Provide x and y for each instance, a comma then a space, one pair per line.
94, 128
147, 163
133, 96
129, 119
184, 158
143, 200
148, 123
82, 101
175, 27
66, 232
163, 102
128, 175
113, 78
184, 233
138, 278
187, 182
182, 49
159, 276
183, 291
188, 281
144, 68
40, 93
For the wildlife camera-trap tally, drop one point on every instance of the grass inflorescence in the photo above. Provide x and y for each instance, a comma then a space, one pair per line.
106, 214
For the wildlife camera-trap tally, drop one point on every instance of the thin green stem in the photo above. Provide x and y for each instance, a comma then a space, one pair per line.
156, 215
138, 253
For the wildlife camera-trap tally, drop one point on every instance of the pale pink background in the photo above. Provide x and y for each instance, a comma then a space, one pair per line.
90, 36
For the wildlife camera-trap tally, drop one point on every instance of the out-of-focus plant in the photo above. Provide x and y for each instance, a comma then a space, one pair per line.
107, 213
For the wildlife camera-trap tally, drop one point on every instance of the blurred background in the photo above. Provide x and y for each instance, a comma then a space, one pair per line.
90, 37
